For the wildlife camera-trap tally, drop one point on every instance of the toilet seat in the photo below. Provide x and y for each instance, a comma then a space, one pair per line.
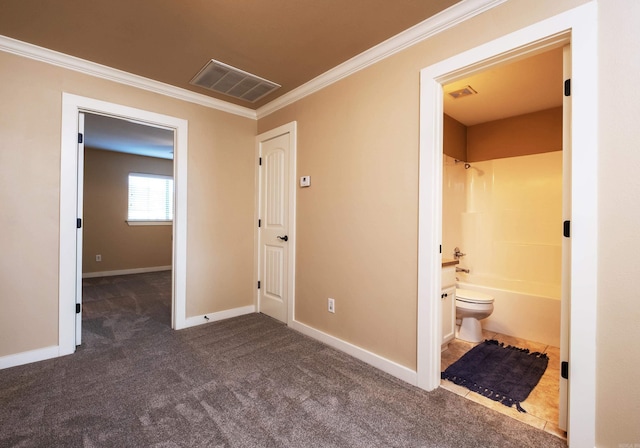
468, 296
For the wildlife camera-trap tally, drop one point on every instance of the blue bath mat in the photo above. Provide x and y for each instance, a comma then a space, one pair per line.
504, 374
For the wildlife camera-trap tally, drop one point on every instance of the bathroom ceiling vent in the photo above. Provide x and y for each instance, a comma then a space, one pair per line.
461, 93
223, 78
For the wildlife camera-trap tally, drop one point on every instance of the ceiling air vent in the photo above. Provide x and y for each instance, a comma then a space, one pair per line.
461, 93
223, 78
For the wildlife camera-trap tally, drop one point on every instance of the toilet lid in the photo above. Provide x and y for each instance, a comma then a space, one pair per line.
466, 295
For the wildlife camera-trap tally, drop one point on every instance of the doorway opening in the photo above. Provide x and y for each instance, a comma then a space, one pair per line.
574, 27
502, 206
73, 109
126, 186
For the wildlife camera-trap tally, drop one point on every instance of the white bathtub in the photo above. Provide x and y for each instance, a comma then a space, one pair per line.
532, 317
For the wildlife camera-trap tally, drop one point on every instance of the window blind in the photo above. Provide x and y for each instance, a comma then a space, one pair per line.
150, 197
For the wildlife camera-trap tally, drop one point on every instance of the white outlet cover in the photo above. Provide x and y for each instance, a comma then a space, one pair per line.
305, 181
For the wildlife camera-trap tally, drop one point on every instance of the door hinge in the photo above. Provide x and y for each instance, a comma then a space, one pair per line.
260, 161
259, 222
77, 308
258, 284
566, 229
80, 137
567, 87
441, 248
78, 223
564, 369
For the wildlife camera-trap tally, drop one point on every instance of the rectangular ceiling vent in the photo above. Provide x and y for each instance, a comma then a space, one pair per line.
461, 93
223, 78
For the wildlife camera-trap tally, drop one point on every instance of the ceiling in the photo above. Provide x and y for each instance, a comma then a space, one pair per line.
527, 85
114, 134
289, 42
524, 86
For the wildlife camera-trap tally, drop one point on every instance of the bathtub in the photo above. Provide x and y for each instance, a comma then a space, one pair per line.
523, 315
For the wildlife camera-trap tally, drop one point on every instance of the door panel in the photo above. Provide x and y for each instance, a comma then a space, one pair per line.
80, 230
274, 210
565, 300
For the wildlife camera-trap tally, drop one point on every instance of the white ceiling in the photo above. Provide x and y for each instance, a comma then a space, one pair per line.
527, 85
113, 134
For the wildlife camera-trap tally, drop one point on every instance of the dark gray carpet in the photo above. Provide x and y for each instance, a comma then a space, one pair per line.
243, 382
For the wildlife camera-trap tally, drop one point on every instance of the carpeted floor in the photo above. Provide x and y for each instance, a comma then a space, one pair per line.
243, 382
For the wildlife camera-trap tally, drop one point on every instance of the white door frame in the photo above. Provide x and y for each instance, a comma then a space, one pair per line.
577, 27
80, 231
69, 271
291, 129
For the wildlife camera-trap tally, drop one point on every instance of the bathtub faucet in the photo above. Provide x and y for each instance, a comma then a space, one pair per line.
457, 254
462, 270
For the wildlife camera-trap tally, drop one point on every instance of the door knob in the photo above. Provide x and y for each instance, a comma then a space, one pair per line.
283, 238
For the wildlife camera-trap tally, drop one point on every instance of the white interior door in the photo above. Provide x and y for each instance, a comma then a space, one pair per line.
274, 231
565, 305
79, 228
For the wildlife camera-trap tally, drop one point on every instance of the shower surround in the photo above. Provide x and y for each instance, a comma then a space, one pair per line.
506, 215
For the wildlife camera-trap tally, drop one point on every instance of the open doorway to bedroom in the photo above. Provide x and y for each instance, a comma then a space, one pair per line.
74, 108
127, 225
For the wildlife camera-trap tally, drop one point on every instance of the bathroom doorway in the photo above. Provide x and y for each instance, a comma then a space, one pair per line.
570, 27
501, 206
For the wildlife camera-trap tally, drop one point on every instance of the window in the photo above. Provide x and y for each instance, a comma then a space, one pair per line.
150, 199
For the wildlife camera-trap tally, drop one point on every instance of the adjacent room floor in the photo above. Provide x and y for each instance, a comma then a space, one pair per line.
542, 403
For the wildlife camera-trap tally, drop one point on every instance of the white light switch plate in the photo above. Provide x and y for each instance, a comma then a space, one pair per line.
305, 181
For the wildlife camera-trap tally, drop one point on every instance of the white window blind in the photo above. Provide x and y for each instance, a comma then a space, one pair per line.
150, 197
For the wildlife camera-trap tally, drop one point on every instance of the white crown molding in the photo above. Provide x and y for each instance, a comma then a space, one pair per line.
442, 21
52, 57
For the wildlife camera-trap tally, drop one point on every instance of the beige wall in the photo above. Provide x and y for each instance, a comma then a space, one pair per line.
357, 223
220, 198
618, 330
533, 133
454, 138
106, 192
521, 135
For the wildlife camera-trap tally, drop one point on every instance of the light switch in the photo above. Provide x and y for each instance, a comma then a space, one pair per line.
305, 181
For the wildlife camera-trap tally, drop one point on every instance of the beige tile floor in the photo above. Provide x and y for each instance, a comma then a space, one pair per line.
541, 405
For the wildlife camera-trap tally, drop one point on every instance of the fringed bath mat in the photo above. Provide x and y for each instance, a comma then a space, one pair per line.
504, 374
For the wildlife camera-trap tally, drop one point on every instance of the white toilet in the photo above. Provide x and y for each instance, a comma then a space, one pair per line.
471, 307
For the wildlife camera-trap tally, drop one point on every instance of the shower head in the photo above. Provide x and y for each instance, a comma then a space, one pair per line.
466, 165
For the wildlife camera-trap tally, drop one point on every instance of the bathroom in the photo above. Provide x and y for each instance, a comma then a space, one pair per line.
502, 208
502, 194
504, 215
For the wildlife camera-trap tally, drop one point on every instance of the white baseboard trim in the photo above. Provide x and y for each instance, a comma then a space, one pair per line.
36, 355
219, 315
125, 271
392, 368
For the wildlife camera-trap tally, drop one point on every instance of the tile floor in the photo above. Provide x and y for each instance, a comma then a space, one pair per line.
542, 403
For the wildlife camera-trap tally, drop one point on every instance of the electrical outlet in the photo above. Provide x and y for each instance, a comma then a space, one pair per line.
331, 306
98, 257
